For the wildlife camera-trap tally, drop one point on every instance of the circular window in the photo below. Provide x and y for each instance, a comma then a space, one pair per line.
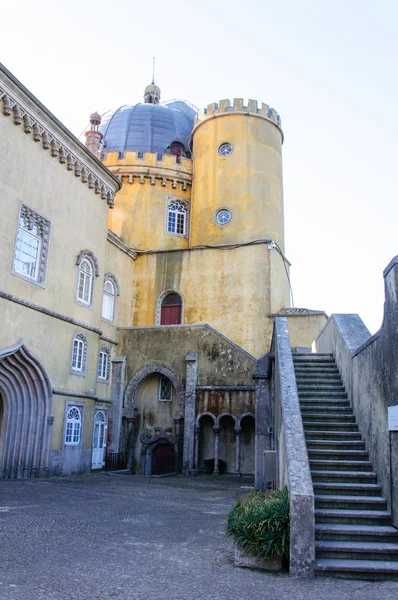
222, 216
225, 149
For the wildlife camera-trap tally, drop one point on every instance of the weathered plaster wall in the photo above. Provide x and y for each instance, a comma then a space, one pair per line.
228, 289
222, 401
368, 367
220, 361
303, 329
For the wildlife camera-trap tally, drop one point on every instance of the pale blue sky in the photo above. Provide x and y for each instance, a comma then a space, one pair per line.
328, 67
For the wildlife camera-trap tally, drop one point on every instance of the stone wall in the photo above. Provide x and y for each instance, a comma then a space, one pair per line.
368, 365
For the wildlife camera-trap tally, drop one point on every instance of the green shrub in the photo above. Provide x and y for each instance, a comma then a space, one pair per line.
259, 524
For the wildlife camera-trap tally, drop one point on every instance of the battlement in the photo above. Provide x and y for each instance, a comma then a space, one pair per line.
148, 159
238, 106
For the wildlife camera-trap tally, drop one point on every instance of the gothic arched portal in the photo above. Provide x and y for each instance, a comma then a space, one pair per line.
26, 414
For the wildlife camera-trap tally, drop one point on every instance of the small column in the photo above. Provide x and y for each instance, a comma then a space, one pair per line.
263, 427
115, 416
216, 445
237, 451
190, 409
177, 443
130, 438
196, 457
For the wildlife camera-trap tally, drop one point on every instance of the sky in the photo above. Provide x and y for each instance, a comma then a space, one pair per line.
328, 67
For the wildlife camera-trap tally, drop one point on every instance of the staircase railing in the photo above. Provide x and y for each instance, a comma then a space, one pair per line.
292, 457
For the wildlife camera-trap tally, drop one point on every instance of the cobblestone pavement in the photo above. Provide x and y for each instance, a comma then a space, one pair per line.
102, 537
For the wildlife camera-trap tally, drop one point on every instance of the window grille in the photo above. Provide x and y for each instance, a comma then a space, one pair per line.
165, 390
73, 426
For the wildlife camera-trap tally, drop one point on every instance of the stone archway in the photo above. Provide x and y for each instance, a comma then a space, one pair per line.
141, 374
27, 414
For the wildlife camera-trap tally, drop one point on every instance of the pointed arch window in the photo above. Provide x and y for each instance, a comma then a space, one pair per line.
177, 218
73, 426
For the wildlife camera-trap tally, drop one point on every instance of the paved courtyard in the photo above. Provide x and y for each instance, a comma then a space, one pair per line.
119, 537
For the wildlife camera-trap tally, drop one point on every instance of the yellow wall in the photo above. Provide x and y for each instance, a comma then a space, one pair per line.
228, 289
78, 216
248, 181
304, 329
139, 215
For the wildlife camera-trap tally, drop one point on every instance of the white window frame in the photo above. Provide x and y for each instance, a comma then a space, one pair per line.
75, 423
85, 282
184, 211
104, 364
110, 279
86, 257
33, 225
81, 342
170, 398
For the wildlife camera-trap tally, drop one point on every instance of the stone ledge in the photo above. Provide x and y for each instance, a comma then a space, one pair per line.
251, 562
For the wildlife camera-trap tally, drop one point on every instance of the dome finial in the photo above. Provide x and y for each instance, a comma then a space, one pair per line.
152, 91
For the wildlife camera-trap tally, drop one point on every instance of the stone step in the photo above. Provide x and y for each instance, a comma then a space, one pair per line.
326, 408
353, 489
325, 403
332, 417
339, 444
343, 476
357, 569
334, 454
350, 502
321, 434
329, 426
324, 394
317, 388
352, 517
332, 378
312, 357
356, 550
316, 368
340, 465
358, 533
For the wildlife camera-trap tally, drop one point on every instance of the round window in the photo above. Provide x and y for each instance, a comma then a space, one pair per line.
225, 149
222, 216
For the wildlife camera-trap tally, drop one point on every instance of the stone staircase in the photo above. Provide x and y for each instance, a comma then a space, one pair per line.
354, 535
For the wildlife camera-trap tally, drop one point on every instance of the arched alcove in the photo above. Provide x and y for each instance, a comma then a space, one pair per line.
25, 431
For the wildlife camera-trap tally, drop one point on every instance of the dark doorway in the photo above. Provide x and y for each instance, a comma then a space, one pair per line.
163, 459
170, 313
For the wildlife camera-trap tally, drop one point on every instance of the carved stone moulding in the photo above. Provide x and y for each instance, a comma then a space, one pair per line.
57, 148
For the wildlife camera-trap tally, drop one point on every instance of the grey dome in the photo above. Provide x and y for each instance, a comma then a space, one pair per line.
146, 127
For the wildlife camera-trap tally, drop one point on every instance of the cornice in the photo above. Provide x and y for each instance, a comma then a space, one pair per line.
36, 120
116, 241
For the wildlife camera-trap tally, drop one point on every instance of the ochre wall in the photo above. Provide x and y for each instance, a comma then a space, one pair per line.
228, 289
248, 181
139, 214
303, 330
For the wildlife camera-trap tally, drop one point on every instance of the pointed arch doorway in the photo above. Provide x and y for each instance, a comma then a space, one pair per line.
25, 414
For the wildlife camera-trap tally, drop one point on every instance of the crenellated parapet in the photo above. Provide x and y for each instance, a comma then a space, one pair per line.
150, 168
36, 121
224, 107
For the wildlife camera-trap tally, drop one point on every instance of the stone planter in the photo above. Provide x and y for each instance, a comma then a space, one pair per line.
251, 562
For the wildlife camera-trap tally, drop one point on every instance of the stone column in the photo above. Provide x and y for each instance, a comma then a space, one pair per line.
115, 413
130, 440
216, 445
190, 409
263, 426
237, 451
196, 457
177, 443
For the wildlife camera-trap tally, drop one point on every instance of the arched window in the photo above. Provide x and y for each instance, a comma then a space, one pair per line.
177, 149
111, 290
88, 268
79, 354
165, 390
104, 360
73, 426
85, 282
108, 301
177, 218
171, 309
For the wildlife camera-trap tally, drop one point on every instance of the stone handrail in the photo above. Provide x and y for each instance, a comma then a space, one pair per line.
292, 457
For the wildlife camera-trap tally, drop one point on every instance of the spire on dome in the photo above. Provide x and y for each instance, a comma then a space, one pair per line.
152, 91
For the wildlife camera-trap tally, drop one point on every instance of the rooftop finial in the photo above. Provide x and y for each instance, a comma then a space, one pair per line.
152, 91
